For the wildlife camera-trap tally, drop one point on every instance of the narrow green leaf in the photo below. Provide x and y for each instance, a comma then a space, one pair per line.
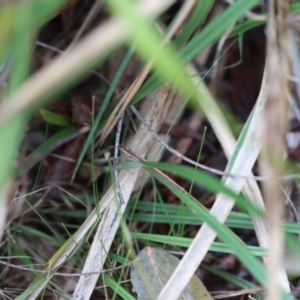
186, 242
102, 110
199, 14
54, 118
214, 30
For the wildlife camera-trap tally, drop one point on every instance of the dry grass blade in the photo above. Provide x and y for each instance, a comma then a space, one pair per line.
243, 164
83, 55
110, 220
65, 251
104, 235
61, 71
126, 99
91, 15
123, 104
274, 131
239, 293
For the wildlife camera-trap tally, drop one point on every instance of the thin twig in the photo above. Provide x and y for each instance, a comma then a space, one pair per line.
87, 21
63, 274
227, 294
201, 166
116, 160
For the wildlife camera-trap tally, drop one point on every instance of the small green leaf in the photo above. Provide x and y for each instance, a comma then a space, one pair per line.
54, 118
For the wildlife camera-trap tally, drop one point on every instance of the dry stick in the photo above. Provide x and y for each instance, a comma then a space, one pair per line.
185, 158
250, 150
116, 160
274, 131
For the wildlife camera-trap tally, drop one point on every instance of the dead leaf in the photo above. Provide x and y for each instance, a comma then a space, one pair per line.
151, 271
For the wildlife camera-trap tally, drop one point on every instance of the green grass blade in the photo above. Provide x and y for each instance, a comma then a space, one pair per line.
237, 281
54, 118
199, 14
117, 288
186, 242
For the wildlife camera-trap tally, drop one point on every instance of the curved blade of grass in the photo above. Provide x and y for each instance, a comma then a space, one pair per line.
207, 181
149, 44
214, 30
228, 277
254, 266
46, 147
241, 161
149, 47
19, 49
211, 33
217, 28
